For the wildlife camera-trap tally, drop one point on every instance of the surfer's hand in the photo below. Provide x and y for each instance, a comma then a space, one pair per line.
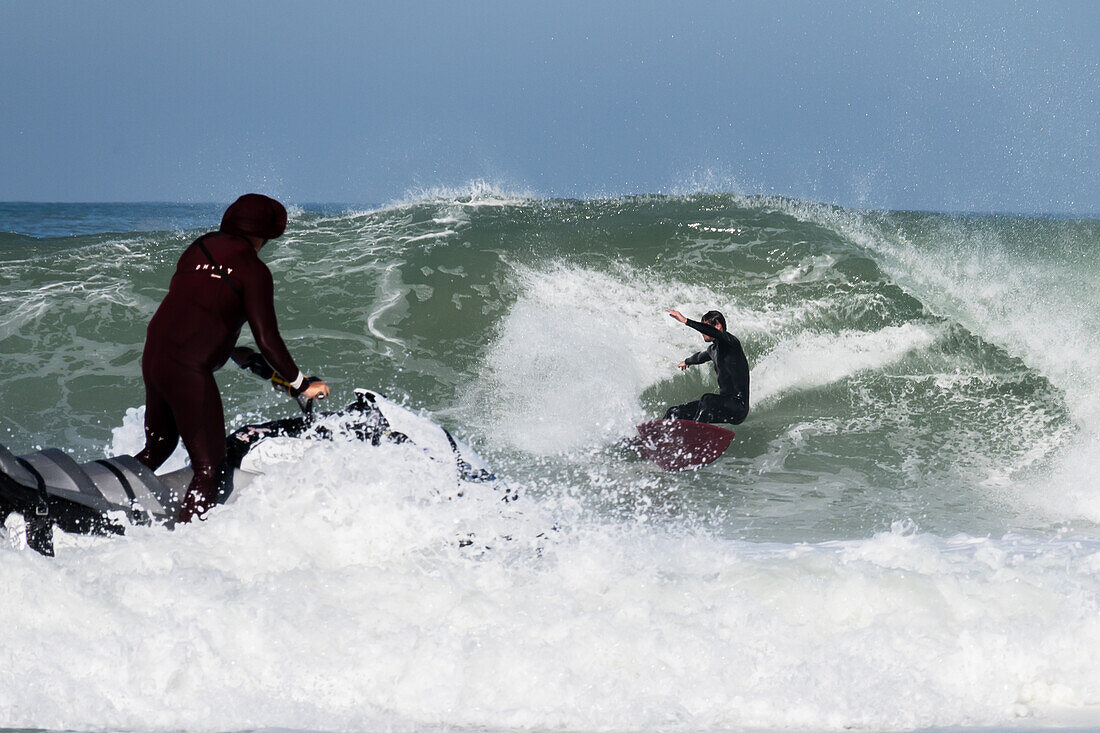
683, 365
677, 315
316, 390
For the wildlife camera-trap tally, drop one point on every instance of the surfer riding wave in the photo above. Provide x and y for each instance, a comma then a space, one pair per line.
731, 404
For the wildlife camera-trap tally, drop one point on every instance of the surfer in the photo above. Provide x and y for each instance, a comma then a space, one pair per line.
731, 404
219, 284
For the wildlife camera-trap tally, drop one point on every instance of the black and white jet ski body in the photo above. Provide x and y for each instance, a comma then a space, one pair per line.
48, 488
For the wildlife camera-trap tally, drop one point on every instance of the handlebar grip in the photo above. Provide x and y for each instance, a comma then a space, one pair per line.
307, 382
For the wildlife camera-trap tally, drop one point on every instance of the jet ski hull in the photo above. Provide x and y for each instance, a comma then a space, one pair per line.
103, 497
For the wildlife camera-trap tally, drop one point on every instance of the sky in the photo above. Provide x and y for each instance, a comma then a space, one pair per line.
953, 106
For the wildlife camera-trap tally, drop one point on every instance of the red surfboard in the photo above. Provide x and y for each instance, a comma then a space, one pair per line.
677, 445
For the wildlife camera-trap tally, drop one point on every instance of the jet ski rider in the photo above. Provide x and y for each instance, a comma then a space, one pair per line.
731, 405
219, 284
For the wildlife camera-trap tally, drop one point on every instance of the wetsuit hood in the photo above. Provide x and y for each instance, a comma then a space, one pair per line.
255, 215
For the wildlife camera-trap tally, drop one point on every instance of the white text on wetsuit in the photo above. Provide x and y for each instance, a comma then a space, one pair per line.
201, 268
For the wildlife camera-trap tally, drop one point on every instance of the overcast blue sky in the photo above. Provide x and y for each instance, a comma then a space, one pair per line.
945, 106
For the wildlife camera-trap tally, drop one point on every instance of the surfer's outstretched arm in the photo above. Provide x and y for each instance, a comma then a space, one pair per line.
699, 357
708, 330
696, 358
704, 328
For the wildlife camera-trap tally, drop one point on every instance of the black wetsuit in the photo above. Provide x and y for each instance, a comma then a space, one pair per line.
731, 405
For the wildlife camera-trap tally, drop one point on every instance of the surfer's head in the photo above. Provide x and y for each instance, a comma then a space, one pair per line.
255, 215
716, 319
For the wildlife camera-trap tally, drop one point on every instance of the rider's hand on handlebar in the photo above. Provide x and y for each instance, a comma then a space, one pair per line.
317, 390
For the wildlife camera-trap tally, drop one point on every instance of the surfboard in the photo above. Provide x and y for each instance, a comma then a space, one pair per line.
678, 445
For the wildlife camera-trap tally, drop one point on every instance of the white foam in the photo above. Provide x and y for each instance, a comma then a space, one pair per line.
811, 269
474, 193
715, 230
333, 595
808, 360
1071, 489
129, 438
428, 237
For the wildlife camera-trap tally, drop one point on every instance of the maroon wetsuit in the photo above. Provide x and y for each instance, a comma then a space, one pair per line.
188, 339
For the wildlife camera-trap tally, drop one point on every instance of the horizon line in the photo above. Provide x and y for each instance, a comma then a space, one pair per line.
378, 205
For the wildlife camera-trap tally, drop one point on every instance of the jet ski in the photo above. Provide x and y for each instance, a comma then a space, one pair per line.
102, 497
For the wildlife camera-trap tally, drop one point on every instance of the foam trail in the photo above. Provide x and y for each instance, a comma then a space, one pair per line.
814, 360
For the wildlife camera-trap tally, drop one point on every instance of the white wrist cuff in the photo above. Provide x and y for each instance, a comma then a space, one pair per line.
297, 383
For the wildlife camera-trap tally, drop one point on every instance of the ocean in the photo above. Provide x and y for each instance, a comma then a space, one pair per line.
904, 534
